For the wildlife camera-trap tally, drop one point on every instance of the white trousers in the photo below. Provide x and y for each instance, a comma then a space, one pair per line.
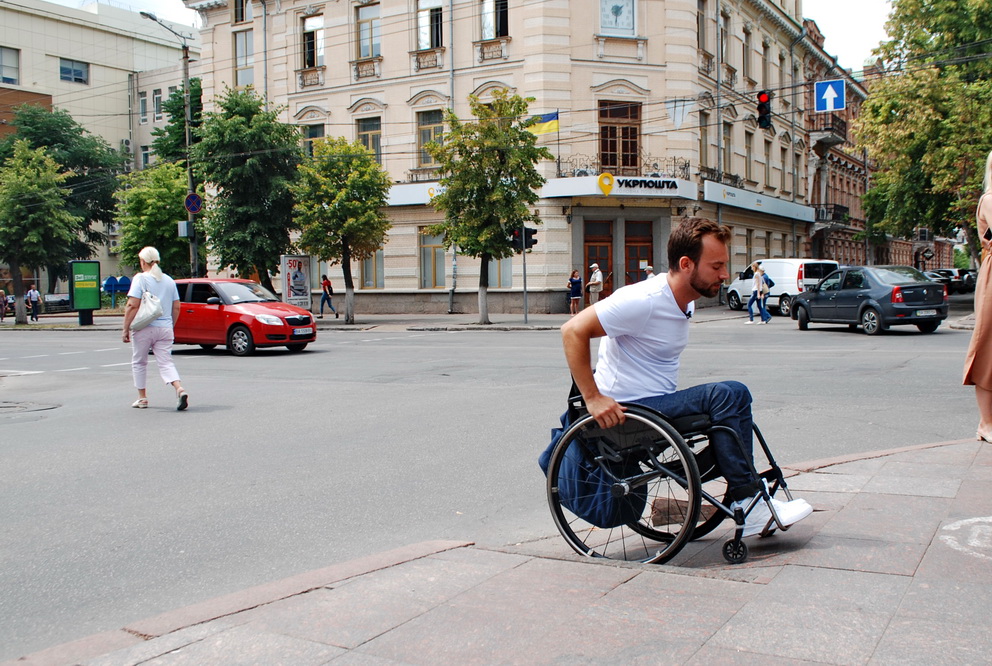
158, 339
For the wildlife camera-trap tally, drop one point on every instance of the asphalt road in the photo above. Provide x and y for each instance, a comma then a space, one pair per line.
366, 441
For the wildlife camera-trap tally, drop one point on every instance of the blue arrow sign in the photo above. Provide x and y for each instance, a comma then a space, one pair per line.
829, 96
193, 203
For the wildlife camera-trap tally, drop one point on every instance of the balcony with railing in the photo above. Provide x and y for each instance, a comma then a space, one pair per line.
827, 130
717, 176
641, 164
832, 213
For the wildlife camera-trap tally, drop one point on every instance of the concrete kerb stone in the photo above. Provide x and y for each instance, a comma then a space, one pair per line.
814, 465
212, 609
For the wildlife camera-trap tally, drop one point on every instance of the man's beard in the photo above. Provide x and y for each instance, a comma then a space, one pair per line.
709, 290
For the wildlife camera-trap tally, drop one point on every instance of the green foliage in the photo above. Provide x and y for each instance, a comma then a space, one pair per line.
36, 227
170, 140
250, 158
340, 194
489, 177
961, 259
149, 206
92, 165
928, 122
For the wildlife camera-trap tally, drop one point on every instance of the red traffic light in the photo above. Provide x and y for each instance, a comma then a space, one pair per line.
764, 97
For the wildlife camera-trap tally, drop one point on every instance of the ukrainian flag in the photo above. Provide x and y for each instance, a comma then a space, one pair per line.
545, 124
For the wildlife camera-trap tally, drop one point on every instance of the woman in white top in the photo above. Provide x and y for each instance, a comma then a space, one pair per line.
157, 336
757, 283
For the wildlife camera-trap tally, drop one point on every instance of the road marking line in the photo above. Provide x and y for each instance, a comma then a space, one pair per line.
113, 365
69, 353
36, 356
10, 373
107, 349
71, 369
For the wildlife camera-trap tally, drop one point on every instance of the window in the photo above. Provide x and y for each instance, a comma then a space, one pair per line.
146, 156
765, 81
172, 90
724, 38
749, 156
797, 162
10, 65
429, 24
313, 42
73, 70
370, 136
142, 107
768, 163
619, 136
785, 160
701, 24
430, 127
368, 32
495, 18
310, 133
728, 147
157, 104
746, 55
242, 11
501, 273
704, 139
431, 261
373, 271
244, 58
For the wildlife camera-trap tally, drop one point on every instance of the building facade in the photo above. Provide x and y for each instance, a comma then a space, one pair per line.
88, 62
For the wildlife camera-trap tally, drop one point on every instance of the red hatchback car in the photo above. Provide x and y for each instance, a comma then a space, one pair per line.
240, 314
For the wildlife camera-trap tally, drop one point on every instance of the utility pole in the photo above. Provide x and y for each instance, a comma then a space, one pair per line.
188, 117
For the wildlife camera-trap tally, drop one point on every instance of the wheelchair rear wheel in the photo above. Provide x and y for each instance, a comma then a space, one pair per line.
627, 493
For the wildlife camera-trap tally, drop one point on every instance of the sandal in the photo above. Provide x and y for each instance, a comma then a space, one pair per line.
140, 403
182, 400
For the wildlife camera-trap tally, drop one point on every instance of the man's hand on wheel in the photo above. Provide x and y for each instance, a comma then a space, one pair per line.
607, 411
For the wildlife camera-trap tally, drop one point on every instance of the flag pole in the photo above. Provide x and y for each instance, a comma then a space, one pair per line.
558, 135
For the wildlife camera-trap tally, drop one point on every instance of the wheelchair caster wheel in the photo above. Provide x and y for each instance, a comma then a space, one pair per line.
735, 552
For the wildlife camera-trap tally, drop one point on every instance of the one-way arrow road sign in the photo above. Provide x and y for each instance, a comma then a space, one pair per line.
829, 96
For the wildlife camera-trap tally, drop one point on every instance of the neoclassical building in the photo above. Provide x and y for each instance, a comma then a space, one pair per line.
656, 104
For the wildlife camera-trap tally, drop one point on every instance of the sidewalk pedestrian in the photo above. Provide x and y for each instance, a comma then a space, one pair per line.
3, 305
978, 363
595, 283
157, 336
33, 298
648, 272
574, 293
327, 293
758, 288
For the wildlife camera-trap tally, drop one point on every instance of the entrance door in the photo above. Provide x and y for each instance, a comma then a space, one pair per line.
600, 253
638, 251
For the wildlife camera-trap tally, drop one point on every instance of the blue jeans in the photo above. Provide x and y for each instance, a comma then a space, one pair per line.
326, 299
728, 404
755, 298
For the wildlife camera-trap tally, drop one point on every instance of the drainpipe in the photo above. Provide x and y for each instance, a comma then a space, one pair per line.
792, 127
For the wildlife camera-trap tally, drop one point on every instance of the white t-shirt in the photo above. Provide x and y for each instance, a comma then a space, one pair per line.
646, 333
597, 276
165, 290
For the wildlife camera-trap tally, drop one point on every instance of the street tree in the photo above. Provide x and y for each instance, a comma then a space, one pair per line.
149, 205
170, 140
340, 196
249, 158
36, 227
489, 181
92, 166
927, 122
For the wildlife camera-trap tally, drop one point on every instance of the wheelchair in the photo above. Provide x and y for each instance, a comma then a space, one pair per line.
642, 490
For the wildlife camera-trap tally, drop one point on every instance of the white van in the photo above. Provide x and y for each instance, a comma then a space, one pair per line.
791, 276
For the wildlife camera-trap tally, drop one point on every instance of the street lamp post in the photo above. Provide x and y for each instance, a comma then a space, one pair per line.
194, 253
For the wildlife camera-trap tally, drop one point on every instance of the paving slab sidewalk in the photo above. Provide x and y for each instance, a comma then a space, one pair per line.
892, 567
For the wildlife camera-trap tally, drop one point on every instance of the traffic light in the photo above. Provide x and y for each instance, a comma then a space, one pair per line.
764, 109
529, 240
516, 241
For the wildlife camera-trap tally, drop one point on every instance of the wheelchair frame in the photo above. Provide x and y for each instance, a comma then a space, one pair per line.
670, 470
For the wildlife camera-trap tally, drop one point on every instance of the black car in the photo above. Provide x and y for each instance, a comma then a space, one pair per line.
874, 297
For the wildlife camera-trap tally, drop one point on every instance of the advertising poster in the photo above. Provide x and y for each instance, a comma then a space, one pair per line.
84, 285
296, 280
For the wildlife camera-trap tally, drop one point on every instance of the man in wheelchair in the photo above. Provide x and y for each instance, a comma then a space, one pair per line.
646, 327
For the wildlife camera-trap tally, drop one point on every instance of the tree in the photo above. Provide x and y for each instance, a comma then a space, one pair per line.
340, 195
36, 227
928, 120
170, 140
250, 158
149, 205
92, 164
489, 180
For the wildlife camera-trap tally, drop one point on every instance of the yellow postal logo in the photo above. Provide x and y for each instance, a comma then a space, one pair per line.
606, 183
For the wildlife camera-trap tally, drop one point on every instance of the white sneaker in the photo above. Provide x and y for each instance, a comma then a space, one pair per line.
760, 518
749, 321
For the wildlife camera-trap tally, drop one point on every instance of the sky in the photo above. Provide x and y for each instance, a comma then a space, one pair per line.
852, 28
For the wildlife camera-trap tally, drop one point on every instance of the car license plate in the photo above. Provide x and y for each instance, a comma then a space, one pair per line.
308, 330
926, 313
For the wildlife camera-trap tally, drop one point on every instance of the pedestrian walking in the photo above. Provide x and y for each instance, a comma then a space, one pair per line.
33, 299
758, 290
648, 272
978, 362
574, 293
595, 283
327, 293
157, 336
3, 305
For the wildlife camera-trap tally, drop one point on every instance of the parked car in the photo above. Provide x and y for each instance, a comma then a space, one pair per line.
791, 277
956, 284
874, 297
241, 314
939, 279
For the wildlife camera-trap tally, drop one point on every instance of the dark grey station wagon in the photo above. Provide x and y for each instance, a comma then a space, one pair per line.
873, 297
